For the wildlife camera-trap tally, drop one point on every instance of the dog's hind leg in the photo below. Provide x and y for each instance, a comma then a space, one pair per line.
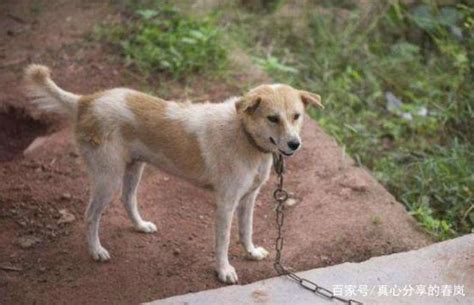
102, 192
106, 168
131, 179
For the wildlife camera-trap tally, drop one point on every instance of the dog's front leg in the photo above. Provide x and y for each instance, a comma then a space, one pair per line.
245, 214
226, 205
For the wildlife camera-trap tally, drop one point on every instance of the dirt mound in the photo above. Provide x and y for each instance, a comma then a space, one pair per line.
341, 213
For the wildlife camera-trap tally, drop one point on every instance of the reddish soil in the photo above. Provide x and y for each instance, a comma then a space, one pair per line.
341, 214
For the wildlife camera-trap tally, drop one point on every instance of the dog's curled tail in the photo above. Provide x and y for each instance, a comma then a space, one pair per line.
46, 94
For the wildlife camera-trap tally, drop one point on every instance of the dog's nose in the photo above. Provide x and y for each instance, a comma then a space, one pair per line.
294, 145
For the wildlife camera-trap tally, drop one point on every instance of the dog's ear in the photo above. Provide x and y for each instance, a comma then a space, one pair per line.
248, 104
309, 98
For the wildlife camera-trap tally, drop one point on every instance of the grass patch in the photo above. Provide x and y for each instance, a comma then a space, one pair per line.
436, 187
158, 38
396, 81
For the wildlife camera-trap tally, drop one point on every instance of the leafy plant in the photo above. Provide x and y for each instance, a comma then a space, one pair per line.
164, 40
272, 65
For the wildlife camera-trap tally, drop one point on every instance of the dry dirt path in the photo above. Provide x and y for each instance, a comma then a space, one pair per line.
341, 214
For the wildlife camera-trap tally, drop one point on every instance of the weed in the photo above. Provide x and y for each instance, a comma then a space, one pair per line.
161, 39
376, 220
272, 65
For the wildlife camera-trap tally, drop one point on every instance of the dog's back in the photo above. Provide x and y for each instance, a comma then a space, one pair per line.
128, 125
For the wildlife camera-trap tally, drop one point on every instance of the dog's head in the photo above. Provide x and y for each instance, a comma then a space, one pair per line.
272, 115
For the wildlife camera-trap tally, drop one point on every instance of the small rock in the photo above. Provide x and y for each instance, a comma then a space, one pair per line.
325, 259
360, 186
66, 196
66, 217
27, 241
355, 182
290, 202
345, 192
393, 104
176, 251
10, 268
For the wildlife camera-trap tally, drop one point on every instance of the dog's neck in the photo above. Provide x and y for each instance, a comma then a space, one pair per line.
252, 141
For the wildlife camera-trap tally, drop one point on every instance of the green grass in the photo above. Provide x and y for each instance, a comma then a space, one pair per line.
158, 38
436, 187
421, 148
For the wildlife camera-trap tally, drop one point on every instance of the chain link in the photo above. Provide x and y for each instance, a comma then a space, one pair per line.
281, 195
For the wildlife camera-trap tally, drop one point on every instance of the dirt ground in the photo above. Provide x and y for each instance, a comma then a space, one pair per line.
341, 213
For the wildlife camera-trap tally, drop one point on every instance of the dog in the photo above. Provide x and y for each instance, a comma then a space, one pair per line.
226, 147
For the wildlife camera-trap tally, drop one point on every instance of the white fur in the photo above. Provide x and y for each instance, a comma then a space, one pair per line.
50, 97
275, 86
112, 108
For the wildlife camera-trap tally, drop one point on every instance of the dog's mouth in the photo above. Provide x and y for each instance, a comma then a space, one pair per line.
283, 152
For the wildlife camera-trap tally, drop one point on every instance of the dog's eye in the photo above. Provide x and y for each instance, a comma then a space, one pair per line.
273, 118
296, 116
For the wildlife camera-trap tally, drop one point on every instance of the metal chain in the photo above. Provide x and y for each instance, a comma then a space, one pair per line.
281, 195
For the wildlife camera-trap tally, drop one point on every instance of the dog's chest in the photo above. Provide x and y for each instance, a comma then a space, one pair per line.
261, 174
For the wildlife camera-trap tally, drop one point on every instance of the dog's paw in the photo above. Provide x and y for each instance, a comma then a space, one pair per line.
146, 227
258, 254
227, 275
100, 254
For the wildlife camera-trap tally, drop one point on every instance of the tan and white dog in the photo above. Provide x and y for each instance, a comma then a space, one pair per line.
225, 147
